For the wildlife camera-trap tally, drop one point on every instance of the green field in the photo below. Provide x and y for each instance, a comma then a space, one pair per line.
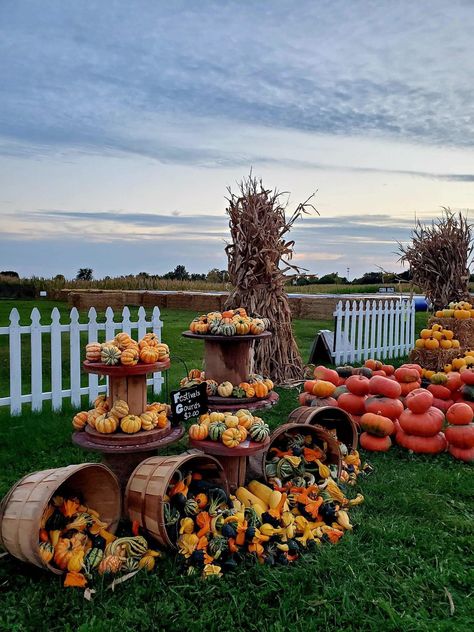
406, 567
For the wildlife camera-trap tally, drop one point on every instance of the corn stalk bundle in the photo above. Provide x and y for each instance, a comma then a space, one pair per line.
439, 257
258, 225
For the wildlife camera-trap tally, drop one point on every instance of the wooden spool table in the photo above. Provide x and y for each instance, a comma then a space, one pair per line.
233, 460
230, 359
122, 452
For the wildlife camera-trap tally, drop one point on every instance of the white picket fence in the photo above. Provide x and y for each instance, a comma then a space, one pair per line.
373, 329
54, 354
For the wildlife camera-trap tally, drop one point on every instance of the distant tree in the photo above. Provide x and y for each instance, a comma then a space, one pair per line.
197, 277
369, 278
60, 278
332, 278
10, 273
405, 276
217, 276
179, 274
145, 275
84, 274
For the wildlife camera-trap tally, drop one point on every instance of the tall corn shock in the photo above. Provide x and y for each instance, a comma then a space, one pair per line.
258, 258
439, 256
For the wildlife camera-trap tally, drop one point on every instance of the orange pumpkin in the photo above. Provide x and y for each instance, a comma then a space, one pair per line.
243, 433
375, 444
439, 391
380, 385
377, 425
407, 374
419, 400
421, 425
459, 414
460, 436
373, 365
260, 389
129, 357
466, 455
386, 406
231, 437
353, 404
408, 387
323, 388
149, 355
423, 445
328, 375
357, 384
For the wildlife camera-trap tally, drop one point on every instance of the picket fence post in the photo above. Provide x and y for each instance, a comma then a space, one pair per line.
56, 361
92, 336
36, 361
15, 362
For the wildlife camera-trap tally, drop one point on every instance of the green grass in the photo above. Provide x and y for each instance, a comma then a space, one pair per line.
412, 543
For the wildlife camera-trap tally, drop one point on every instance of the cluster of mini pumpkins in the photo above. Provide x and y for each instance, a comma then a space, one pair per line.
73, 538
460, 310
128, 352
257, 385
108, 420
457, 364
230, 429
233, 322
437, 337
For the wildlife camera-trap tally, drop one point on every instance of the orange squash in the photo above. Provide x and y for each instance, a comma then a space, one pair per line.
352, 404
260, 389
149, 355
375, 444
322, 388
380, 385
425, 424
329, 375
386, 406
357, 384
129, 357
422, 445
466, 455
460, 436
419, 400
459, 414
377, 425
198, 432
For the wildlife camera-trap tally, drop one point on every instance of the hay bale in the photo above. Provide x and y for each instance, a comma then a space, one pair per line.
433, 360
463, 329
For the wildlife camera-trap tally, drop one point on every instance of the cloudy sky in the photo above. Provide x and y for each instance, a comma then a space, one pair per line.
122, 124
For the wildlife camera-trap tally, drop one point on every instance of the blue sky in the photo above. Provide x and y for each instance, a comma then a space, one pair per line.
122, 124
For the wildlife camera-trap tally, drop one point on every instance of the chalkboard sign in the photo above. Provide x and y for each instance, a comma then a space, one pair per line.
188, 403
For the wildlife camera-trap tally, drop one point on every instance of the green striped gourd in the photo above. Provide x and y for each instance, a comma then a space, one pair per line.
259, 432
216, 429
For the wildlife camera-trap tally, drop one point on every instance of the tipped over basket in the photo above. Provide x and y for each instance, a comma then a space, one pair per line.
149, 482
331, 418
22, 508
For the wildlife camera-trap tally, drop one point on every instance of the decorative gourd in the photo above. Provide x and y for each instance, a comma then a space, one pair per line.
201, 328
163, 352
93, 350
149, 340
92, 416
63, 553
257, 326
231, 437
243, 433
242, 326
260, 389
231, 421
198, 432
100, 402
225, 389
149, 420
110, 564
75, 561
131, 424
215, 416
377, 425
129, 357
123, 340
191, 508
226, 329
46, 552
162, 421
216, 429
110, 354
120, 409
106, 424
250, 391
238, 392
214, 326
245, 421
211, 387
79, 421
92, 559
259, 432
149, 355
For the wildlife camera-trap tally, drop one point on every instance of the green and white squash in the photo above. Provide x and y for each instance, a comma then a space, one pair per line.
191, 507
214, 325
110, 354
239, 392
259, 432
216, 429
92, 559
227, 329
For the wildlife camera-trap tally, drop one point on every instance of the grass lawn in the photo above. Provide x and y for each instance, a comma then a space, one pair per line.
410, 553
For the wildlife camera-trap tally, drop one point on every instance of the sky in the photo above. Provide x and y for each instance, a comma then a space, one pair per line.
123, 123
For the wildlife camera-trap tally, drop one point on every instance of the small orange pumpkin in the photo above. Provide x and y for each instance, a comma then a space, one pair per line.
198, 432
149, 355
322, 388
129, 357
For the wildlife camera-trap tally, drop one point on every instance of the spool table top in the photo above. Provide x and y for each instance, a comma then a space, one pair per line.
85, 440
227, 339
216, 448
119, 370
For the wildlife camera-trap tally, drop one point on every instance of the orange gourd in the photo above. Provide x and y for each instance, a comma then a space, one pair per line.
357, 385
129, 357
377, 425
425, 424
323, 388
419, 400
198, 432
375, 444
459, 414
260, 389
380, 385
149, 355
231, 437
79, 421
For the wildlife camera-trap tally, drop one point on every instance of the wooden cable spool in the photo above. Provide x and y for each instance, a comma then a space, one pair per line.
331, 418
320, 434
22, 508
149, 483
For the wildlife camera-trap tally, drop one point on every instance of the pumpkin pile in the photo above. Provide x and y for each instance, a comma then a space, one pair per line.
437, 337
214, 532
461, 310
420, 424
460, 432
456, 364
119, 419
230, 429
73, 538
257, 386
233, 322
128, 352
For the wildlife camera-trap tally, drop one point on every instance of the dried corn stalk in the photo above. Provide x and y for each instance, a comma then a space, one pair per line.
439, 258
258, 226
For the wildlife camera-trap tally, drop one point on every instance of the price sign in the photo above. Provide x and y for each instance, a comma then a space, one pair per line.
188, 403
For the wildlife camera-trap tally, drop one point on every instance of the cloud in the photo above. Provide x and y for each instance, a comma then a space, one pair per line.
107, 78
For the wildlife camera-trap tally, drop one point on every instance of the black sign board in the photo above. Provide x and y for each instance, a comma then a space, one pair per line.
188, 403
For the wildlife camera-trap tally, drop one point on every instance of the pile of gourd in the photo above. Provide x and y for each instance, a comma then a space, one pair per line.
233, 322
118, 418
230, 429
437, 337
73, 538
128, 352
461, 310
257, 386
214, 532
